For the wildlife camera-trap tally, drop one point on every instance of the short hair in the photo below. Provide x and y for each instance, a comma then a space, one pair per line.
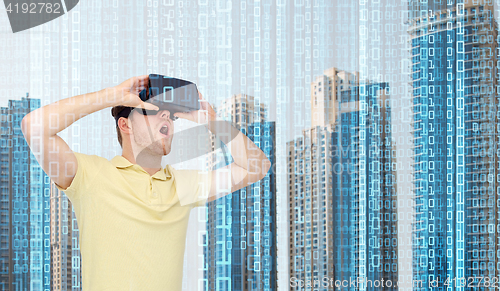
119, 134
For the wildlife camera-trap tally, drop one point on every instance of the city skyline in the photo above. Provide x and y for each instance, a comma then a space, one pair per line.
311, 66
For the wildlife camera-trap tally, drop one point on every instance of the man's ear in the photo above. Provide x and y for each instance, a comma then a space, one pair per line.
124, 125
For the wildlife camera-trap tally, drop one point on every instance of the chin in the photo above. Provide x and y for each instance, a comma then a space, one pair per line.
156, 149
166, 152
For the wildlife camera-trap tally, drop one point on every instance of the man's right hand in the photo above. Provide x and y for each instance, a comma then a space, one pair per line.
40, 127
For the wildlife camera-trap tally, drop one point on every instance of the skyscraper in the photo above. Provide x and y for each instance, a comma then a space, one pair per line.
341, 188
240, 245
310, 198
325, 92
454, 76
64, 243
364, 189
242, 110
25, 211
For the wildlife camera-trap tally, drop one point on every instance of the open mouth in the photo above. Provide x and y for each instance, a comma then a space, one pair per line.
164, 130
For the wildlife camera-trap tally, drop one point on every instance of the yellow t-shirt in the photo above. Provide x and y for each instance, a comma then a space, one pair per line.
133, 225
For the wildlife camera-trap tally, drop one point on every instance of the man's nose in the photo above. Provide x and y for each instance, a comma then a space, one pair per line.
165, 114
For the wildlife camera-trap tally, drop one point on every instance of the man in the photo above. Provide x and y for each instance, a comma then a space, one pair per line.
132, 214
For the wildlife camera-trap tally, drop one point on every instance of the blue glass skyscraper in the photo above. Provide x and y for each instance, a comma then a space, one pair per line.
364, 190
25, 211
240, 245
455, 99
241, 250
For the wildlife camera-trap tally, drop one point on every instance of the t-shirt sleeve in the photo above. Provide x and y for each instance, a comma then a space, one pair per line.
192, 186
87, 170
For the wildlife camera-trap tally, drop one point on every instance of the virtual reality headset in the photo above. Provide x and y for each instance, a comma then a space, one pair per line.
174, 95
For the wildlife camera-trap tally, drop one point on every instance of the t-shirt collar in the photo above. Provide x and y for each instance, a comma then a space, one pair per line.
122, 162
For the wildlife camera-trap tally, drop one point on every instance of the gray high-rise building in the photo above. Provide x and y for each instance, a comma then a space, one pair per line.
310, 199
325, 94
64, 243
341, 189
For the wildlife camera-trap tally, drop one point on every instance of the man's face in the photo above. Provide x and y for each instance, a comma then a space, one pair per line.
151, 134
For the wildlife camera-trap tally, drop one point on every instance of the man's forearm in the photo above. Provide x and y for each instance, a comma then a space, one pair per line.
53, 118
244, 151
